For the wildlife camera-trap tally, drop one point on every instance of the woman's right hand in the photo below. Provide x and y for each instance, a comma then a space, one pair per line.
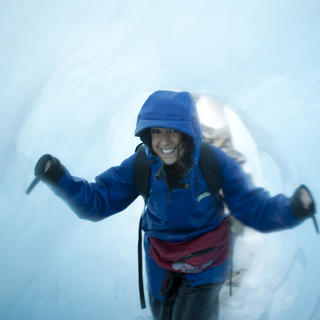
48, 169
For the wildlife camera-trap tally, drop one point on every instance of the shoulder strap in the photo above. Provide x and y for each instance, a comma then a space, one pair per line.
141, 176
141, 172
209, 167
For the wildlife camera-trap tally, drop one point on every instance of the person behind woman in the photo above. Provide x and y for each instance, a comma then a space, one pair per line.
186, 231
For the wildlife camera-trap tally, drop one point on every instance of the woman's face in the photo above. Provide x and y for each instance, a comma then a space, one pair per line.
165, 142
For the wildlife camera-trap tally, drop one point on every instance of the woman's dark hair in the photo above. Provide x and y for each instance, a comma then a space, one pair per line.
185, 160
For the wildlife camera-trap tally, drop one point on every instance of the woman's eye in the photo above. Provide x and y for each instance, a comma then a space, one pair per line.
155, 131
172, 130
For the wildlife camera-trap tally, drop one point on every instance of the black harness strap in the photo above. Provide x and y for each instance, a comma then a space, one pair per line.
140, 268
141, 172
141, 176
209, 167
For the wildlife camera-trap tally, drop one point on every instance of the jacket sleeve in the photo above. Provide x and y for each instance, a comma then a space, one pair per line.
253, 206
112, 192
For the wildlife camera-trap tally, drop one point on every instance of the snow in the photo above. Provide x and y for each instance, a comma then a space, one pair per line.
73, 76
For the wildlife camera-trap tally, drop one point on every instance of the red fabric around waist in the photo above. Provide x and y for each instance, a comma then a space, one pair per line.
196, 255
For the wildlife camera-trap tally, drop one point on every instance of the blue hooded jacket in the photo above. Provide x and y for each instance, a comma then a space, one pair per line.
176, 215
183, 213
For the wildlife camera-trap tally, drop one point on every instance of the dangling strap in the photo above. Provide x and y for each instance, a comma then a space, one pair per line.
140, 267
230, 278
141, 177
231, 267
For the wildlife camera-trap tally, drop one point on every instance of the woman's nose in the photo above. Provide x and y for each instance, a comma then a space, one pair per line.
165, 139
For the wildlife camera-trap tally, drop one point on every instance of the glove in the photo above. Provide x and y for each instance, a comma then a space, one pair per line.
302, 203
48, 169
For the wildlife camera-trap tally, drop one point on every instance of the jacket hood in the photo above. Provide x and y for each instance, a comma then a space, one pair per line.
169, 109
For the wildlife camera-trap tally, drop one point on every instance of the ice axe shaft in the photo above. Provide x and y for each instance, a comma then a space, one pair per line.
32, 185
315, 224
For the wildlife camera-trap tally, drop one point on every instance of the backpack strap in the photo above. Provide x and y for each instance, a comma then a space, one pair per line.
140, 267
141, 176
141, 172
209, 167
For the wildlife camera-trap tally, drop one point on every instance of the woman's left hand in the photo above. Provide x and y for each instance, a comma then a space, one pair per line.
302, 203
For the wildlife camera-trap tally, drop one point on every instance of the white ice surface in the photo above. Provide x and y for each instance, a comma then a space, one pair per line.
73, 76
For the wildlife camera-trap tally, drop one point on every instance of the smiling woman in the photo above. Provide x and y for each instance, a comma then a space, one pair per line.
166, 144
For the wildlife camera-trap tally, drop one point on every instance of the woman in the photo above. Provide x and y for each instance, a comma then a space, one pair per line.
182, 217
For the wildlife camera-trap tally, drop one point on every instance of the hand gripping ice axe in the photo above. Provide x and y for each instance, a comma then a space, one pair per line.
308, 204
47, 169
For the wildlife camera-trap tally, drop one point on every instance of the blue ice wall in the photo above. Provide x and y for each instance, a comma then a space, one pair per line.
73, 77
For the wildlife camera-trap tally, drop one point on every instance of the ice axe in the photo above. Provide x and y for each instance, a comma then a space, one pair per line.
315, 224
32, 185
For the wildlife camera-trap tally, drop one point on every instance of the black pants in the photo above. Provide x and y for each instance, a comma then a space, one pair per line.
183, 302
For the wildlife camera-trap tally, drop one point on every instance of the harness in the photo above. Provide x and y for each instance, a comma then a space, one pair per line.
209, 167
